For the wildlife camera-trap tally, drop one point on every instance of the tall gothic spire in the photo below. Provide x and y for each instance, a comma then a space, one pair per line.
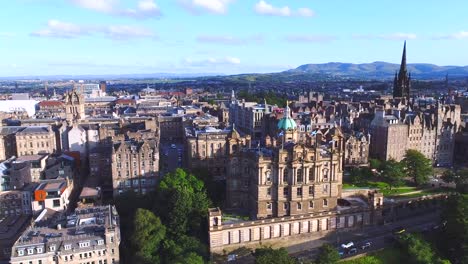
402, 81
403, 69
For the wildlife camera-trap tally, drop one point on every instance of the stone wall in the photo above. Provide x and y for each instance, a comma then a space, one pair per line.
281, 232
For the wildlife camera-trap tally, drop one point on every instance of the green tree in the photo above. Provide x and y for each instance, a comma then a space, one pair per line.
375, 164
448, 176
393, 173
272, 256
147, 236
182, 249
418, 250
454, 242
327, 255
417, 166
183, 203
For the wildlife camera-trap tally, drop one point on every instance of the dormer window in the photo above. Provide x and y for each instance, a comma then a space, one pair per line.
52, 248
20, 252
68, 247
39, 250
84, 244
100, 242
30, 251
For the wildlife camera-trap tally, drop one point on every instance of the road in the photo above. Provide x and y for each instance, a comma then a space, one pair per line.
374, 234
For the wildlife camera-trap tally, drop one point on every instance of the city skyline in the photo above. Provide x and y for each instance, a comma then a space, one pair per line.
83, 37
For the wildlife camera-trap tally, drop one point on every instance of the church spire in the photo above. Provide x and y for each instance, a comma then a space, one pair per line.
403, 69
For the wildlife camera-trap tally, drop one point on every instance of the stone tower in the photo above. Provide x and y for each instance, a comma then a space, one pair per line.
402, 81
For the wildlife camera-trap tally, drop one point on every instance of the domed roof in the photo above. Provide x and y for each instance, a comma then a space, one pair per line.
287, 123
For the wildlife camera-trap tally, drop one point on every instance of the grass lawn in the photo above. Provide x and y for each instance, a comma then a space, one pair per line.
383, 187
385, 256
424, 192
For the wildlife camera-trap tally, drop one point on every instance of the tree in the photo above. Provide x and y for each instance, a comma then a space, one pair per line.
147, 236
393, 173
448, 176
454, 242
418, 250
182, 203
272, 256
417, 166
375, 164
327, 255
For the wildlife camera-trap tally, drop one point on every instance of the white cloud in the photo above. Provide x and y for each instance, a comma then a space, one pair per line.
309, 38
144, 8
398, 36
105, 6
458, 35
264, 8
392, 36
229, 40
211, 6
211, 61
60, 29
305, 12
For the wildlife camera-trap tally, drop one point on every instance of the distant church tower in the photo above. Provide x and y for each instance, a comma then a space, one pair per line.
402, 82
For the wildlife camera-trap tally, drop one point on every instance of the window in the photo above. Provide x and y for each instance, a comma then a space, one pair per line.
100, 242
30, 251
299, 206
285, 175
39, 250
269, 191
311, 190
285, 191
269, 206
268, 176
300, 175
67, 247
113, 251
311, 204
20, 252
325, 188
56, 203
325, 174
52, 248
325, 202
285, 206
299, 191
311, 174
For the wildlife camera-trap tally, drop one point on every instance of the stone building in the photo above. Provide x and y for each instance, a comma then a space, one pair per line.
135, 165
208, 148
388, 137
287, 178
51, 109
357, 150
249, 117
35, 140
74, 105
89, 235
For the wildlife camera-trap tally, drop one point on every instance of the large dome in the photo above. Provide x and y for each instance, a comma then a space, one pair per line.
287, 123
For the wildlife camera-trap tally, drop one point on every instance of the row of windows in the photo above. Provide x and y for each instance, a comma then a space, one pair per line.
269, 205
38, 144
299, 190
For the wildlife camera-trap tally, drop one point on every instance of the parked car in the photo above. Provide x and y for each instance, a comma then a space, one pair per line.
366, 245
232, 257
347, 245
173, 146
352, 251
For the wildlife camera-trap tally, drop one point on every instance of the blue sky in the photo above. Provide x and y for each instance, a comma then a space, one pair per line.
52, 37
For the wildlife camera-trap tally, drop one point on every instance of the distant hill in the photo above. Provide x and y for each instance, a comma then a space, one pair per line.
379, 70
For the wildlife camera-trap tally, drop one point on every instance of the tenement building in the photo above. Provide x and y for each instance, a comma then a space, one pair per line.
291, 189
288, 178
89, 235
135, 165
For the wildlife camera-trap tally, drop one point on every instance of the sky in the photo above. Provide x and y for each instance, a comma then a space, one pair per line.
58, 37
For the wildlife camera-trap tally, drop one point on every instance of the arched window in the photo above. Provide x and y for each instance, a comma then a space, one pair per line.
268, 176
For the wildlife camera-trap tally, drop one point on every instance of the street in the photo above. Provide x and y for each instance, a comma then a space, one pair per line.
375, 234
